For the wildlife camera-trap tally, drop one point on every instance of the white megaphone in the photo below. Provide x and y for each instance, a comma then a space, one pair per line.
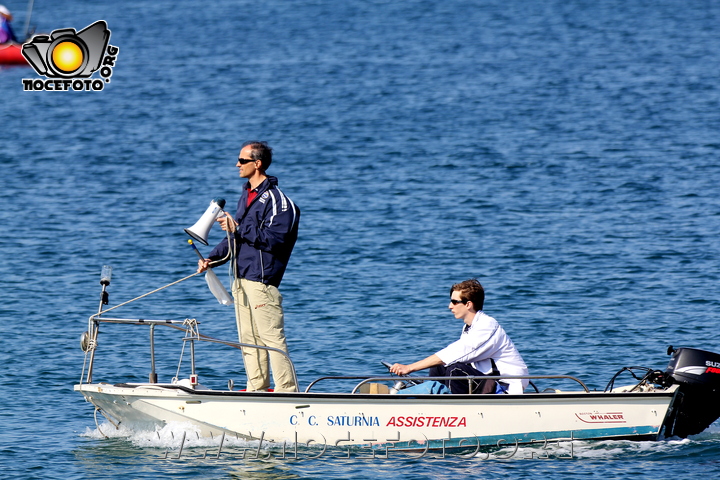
202, 227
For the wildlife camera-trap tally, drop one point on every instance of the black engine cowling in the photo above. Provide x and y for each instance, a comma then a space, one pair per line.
697, 404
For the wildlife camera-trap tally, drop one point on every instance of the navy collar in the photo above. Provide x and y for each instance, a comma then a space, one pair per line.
269, 181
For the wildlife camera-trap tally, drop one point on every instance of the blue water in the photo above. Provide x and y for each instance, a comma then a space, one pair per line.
564, 153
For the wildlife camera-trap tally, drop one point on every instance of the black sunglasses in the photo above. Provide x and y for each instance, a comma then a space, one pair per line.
455, 302
243, 161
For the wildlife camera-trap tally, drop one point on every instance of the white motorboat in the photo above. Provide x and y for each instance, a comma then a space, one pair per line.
373, 411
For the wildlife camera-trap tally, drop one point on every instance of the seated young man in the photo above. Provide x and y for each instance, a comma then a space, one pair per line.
483, 348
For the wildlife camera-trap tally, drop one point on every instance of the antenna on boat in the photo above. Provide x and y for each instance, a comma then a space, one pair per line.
105, 277
88, 339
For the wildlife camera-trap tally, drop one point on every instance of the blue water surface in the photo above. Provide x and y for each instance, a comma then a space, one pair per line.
565, 153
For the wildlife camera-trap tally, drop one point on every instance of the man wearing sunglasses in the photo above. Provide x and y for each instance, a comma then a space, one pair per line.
262, 235
483, 348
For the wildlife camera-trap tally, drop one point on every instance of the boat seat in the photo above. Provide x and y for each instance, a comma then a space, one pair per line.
374, 388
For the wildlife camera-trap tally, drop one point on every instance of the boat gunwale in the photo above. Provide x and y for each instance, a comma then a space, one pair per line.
452, 398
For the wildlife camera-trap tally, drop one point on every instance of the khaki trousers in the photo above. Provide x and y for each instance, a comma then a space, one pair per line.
260, 321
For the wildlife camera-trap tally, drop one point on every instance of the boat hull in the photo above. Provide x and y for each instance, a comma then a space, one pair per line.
10, 54
382, 421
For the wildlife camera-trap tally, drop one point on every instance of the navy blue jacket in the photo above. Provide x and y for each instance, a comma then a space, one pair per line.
266, 234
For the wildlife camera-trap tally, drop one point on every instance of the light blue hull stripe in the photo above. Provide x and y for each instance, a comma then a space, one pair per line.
648, 431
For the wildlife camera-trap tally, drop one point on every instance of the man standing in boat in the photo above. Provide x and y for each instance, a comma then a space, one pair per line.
263, 233
483, 348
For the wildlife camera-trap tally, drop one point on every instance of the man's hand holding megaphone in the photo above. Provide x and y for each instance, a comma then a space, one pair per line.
228, 224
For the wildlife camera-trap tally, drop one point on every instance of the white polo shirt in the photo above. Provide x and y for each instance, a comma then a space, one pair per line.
481, 341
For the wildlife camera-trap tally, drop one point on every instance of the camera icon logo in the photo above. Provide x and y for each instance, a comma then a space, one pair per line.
66, 53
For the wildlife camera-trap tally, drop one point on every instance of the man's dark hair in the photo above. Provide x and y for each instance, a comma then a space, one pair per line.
470, 290
259, 151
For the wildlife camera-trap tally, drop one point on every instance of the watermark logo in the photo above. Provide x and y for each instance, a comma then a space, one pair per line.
503, 449
68, 59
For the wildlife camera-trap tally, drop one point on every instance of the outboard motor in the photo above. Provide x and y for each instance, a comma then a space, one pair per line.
697, 403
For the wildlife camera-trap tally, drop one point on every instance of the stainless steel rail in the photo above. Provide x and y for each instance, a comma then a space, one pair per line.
240, 346
178, 325
366, 379
94, 329
138, 321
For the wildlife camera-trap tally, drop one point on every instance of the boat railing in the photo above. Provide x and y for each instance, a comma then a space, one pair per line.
187, 325
89, 341
240, 346
366, 379
192, 335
